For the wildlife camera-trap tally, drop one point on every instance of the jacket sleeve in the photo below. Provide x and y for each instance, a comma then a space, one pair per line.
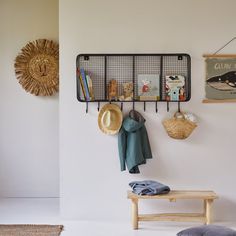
146, 145
122, 142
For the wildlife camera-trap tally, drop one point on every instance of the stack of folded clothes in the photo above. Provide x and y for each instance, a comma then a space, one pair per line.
148, 187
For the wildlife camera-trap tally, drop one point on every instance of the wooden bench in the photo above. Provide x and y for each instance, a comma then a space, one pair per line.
205, 217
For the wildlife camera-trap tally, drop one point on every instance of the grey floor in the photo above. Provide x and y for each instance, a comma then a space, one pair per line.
46, 211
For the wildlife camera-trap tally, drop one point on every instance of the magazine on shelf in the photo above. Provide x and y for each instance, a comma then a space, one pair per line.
149, 87
175, 88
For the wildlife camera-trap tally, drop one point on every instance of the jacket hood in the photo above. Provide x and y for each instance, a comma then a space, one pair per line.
131, 125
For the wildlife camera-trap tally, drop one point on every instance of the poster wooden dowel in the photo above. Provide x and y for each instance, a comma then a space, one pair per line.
220, 55
218, 100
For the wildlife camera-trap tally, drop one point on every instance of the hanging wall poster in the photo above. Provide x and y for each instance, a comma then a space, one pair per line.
220, 82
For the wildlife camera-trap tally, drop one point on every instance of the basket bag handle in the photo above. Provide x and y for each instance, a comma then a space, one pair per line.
179, 115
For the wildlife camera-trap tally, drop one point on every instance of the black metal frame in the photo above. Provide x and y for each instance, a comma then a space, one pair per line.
179, 56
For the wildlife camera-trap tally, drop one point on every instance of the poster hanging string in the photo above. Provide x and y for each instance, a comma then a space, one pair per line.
224, 45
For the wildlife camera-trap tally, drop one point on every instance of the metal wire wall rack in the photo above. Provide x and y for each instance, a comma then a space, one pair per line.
126, 68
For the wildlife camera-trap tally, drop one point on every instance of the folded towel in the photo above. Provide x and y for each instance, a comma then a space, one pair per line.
148, 187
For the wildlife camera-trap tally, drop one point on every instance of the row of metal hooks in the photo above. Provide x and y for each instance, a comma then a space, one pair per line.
144, 106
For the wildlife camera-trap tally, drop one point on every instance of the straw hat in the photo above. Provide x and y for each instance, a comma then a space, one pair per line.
110, 119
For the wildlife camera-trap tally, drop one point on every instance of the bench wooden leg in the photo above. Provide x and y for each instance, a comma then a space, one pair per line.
204, 210
208, 210
134, 213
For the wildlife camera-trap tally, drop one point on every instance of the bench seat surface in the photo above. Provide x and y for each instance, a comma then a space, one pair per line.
177, 194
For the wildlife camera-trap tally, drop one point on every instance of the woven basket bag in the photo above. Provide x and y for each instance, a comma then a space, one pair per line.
178, 127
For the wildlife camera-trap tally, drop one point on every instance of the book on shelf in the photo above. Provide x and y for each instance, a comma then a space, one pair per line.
148, 98
84, 84
90, 86
81, 82
148, 87
175, 88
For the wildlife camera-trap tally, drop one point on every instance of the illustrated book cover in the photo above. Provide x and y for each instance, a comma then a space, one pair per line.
149, 87
175, 88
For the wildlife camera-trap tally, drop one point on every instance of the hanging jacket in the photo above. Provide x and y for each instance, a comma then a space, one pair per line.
133, 144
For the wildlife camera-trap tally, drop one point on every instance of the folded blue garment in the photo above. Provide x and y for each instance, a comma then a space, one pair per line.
148, 187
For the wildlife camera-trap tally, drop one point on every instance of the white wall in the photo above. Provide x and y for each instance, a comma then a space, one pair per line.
92, 186
29, 158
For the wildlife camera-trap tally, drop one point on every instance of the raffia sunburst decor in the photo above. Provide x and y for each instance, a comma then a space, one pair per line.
37, 67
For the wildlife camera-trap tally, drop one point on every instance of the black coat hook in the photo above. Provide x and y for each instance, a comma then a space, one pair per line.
98, 106
144, 106
156, 107
178, 106
86, 107
133, 105
167, 106
121, 106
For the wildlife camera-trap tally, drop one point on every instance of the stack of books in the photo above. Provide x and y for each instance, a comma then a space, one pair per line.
86, 84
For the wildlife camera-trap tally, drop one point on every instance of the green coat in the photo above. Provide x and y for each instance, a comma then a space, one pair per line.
133, 144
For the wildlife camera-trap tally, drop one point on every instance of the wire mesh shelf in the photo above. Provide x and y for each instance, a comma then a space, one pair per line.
132, 68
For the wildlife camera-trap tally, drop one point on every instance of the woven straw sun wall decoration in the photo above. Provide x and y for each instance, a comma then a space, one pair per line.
37, 67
